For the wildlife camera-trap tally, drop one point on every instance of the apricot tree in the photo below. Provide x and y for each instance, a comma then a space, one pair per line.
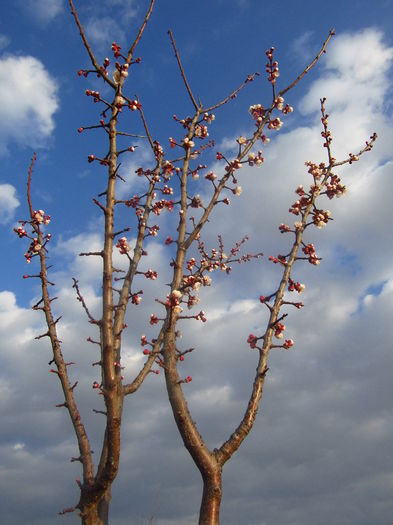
168, 188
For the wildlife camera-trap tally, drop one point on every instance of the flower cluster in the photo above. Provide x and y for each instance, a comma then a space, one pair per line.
326, 134
252, 340
34, 249
188, 143
280, 259
316, 170
192, 301
173, 301
201, 131
153, 319
185, 122
166, 190
123, 245
201, 317
233, 165
279, 104
94, 94
211, 176
255, 159
257, 111
299, 205
157, 148
20, 231
136, 299
334, 188
271, 66
284, 228
320, 217
295, 286
209, 117
278, 330
39, 217
150, 274
153, 230
309, 250
194, 282
120, 72
133, 202
162, 204
196, 202
116, 50
275, 124
134, 105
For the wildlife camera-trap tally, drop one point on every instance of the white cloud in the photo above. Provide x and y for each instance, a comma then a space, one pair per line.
102, 31
142, 157
108, 24
29, 101
301, 47
355, 84
43, 11
8, 202
129, 8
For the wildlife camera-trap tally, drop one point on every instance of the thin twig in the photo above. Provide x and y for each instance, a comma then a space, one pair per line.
29, 184
182, 71
140, 32
312, 64
88, 48
250, 78
83, 302
145, 126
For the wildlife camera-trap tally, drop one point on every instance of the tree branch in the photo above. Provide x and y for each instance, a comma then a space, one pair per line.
196, 106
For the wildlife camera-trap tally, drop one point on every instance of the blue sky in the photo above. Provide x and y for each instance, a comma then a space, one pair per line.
321, 448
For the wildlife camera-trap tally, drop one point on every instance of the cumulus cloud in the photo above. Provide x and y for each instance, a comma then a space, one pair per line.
355, 83
29, 102
8, 202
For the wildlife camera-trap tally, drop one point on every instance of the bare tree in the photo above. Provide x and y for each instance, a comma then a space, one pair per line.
167, 188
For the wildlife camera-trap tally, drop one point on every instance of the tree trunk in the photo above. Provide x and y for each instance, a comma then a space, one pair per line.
103, 508
90, 517
98, 514
211, 498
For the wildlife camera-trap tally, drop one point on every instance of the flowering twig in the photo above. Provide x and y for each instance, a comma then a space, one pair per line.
88, 48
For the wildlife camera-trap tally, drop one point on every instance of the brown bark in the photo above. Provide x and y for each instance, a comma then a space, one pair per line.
91, 517
209, 513
103, 507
